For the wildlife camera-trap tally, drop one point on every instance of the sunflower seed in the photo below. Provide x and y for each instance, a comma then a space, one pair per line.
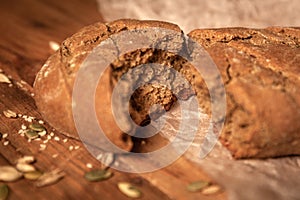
37, 127
26, 159
4, 79
42, 133
9, 173
31, 134
213, 189
34, 175
9, 114
50, 178
196, 186
98, 175
3, 191
129, 190
23, 167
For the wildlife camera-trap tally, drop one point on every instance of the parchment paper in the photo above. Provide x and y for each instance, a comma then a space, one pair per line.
269, 179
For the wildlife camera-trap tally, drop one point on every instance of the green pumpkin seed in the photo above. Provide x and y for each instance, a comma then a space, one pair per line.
9, 173
196, 186
129, 190
37, 127
98, 175
211, 190
4, 190
34, 175
31, 134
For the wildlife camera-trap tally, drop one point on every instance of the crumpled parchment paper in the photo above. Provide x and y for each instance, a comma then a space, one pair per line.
192, 14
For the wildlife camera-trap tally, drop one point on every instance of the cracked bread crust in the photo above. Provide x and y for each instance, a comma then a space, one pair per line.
261, 71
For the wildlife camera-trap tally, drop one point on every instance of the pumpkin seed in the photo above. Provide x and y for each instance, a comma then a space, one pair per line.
9, 114
26, 159
3, 191
213, 189
98, 175
34, 175
24, 167
50, 178
129, 190
9, 173
31, 134
37, 127
196, 186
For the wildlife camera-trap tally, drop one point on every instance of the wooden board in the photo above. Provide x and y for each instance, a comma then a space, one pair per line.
25, 31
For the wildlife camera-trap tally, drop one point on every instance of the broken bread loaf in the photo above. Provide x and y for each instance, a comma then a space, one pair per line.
260, 70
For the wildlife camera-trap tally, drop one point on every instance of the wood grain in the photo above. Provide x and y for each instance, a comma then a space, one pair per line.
25, 31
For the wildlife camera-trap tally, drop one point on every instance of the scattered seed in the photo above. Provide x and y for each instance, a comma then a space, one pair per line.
31, 134
48, 137
26, 159
33, 175
41, 122
9, 114
4, 135
4, 79
45, 141
89, 165
50, 178
76, 147
54, 155
54, 45
65, 140
6, 143
129, 190
98, 175
42, 133
37, 127
3, 191
56, 138
213, 189
71, 148
43, 147
9, 173
24, 127
196, 186
51, 134
24, 167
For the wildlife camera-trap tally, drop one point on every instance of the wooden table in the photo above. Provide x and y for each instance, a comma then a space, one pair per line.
25, 31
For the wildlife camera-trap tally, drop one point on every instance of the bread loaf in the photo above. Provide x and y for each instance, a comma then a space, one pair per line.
260, 70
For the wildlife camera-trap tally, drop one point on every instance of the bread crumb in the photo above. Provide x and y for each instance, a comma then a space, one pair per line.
89, 165
71, 148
